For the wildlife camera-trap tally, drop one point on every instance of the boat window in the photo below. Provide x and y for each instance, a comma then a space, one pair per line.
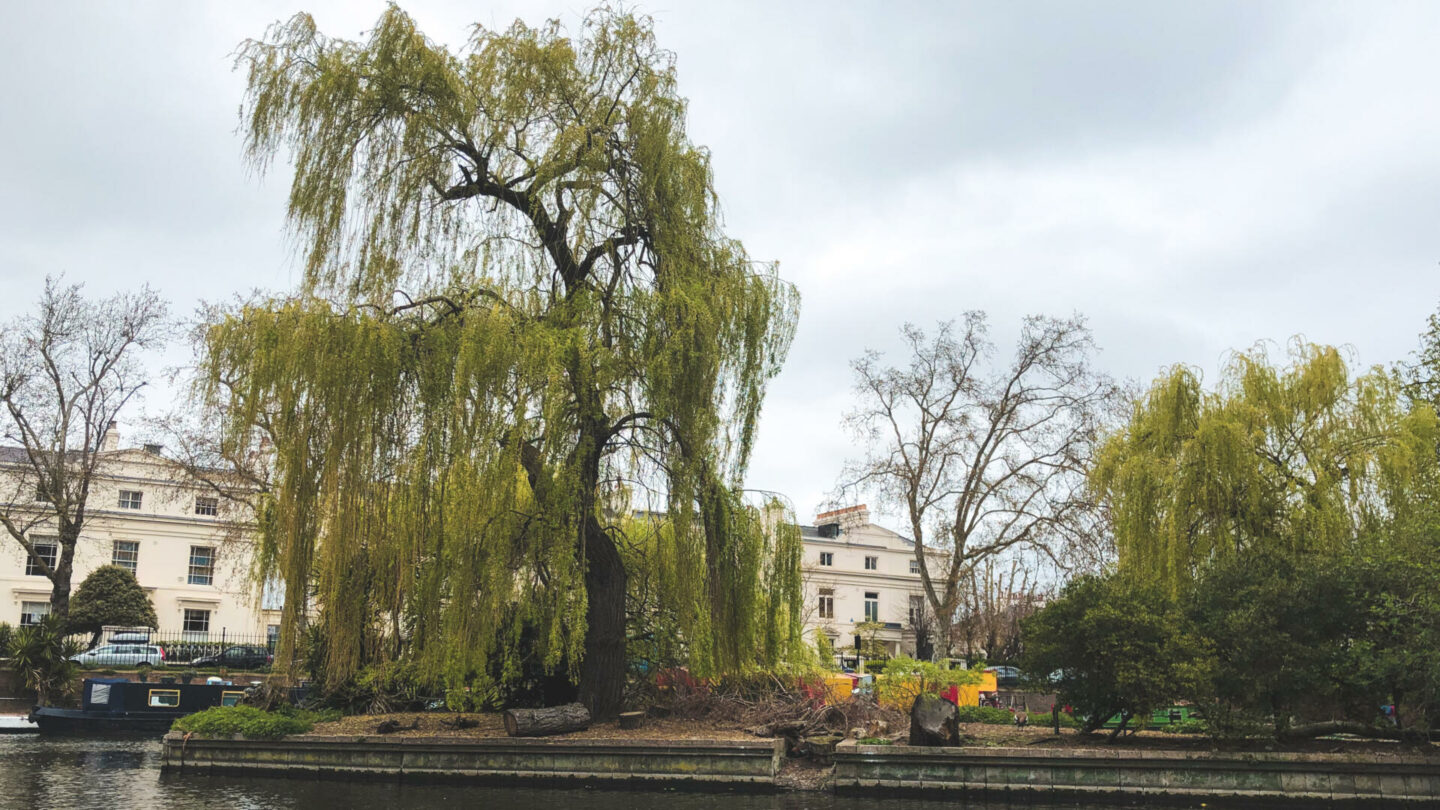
99, 693
231, 698
164, 697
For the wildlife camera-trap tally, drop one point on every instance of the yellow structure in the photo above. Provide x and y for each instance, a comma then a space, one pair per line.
901, 695
839, 688
969, 694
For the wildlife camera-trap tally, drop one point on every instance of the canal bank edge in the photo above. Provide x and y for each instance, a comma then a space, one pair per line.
1049, 775
1044, 775
725, 764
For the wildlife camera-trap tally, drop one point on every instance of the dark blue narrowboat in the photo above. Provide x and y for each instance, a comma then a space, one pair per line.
114, 705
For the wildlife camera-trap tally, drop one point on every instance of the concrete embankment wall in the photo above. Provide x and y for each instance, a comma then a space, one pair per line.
14, 698
1296, 779
721, 763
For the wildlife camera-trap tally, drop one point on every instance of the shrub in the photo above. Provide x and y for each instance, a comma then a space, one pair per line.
40, 655
248, 721
1193, 725
986, 714
7, 634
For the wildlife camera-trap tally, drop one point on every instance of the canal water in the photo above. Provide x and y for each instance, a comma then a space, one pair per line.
113, 774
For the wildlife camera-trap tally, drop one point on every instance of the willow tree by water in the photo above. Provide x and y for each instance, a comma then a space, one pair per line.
518, 305
1295, 458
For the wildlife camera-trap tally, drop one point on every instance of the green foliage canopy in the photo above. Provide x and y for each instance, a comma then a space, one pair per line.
1297, 457
110, 595
1119, 646
573, 325
1282, 627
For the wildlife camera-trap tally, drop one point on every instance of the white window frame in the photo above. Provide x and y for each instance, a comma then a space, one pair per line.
872, 563
32, 569
190, 620
207, 505
130, 499
116, 558
827, 558
914, 566
917, 607
195, 573
32, 613
872, 606
827, 603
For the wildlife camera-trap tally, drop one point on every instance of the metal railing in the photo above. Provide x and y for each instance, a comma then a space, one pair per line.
184, 647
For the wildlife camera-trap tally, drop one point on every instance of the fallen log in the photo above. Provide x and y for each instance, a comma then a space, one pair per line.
547, 721
779, 728
392, 725
1307, 731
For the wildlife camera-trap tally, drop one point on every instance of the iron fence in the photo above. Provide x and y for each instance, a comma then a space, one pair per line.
182, 648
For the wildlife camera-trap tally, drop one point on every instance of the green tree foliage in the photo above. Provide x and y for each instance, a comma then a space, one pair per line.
1296, 457
110, 595
1119, 647
519, 306
1281, 626
1399, 653
1422, 377
824, 649
906, 678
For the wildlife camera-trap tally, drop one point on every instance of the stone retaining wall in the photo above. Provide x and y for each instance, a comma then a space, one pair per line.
721, 763
1301, 779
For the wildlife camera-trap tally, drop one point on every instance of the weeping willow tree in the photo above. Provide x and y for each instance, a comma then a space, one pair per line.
518, 306
1294, 458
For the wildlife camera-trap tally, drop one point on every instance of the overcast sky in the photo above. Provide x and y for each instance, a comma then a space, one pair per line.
1192, 177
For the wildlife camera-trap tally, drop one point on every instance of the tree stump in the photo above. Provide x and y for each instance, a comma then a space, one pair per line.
631, 719
543, 722
934, 721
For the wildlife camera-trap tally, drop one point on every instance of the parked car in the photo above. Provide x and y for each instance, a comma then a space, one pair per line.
121, 655
1006, 676
241, 656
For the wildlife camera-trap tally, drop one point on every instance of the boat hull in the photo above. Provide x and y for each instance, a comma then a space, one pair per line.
51, 720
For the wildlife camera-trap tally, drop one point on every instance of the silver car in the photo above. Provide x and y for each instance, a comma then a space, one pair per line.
121, 655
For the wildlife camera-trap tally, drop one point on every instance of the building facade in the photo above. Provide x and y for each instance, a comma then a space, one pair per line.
182, 540
857, 572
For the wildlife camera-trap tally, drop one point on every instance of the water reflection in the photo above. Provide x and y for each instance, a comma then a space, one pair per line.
109, 774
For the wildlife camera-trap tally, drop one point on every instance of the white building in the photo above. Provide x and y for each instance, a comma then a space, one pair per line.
183, 542
856, 571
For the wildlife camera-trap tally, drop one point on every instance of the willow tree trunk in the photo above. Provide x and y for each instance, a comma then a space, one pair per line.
602, 672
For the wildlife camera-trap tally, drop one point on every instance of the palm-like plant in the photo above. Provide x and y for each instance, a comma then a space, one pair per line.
40, 654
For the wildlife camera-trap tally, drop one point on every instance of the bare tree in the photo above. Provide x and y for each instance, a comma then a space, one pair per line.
981, 461
66, 373
996, 595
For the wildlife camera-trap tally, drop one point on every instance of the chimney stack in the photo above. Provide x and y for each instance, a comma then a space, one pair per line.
848, 518
110, 442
